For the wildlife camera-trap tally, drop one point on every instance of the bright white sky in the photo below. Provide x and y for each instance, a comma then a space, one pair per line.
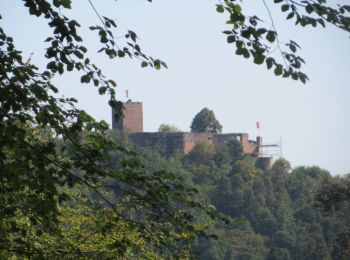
311, 119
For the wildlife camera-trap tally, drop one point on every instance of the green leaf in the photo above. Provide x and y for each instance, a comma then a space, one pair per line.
56, 3
271, 36
49, 39
164, 64
112, 82
51, 65
278, 70
303, 77
239, 51
294, 43
246, 34
66, 3
132, 35
309, 9
85, 78
231, 38
157, 64
246, 53
295, 76
78, 54
70, 66
111, 53
83, 49
92, 28
102, 90
269, 62
296, 64
261, 31
290, 15
103, 39
259, 59
286, 74
285, 7
220, 9
239, 44
237, 8
144, 64
292, 47
121, 53
321, 22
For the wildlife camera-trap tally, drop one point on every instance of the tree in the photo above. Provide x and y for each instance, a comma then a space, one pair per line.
202, 152
235, 150
253, 40
48, 146
332, 194
36, 168
168, 128
205, 121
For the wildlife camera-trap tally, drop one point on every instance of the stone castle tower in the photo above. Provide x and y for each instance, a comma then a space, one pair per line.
132, 119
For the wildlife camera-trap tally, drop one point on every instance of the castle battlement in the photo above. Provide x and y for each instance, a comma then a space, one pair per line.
177, 142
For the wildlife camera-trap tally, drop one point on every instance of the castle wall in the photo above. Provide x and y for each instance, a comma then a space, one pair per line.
190, 140
222, 139
179, 142
172, 142
184, 142
248, 146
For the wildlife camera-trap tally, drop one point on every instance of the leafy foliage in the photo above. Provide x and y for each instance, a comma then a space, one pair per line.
60, 168
333, 193
265, 215
48, 146
168, 128
205, 121
252, 39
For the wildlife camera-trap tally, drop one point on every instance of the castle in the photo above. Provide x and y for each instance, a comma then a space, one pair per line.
182, 142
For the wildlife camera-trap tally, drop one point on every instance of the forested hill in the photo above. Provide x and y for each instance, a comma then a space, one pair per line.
271, 214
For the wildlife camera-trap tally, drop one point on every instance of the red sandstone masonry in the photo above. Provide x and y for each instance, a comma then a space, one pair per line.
132, 120
183, 142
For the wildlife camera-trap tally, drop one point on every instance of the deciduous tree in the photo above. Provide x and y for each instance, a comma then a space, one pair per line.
205, 121
168, 128
34, 169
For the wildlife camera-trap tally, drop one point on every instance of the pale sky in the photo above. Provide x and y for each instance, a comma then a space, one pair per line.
311, 119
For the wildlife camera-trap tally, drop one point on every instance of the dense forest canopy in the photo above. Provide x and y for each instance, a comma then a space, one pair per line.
273, 214
70, 189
